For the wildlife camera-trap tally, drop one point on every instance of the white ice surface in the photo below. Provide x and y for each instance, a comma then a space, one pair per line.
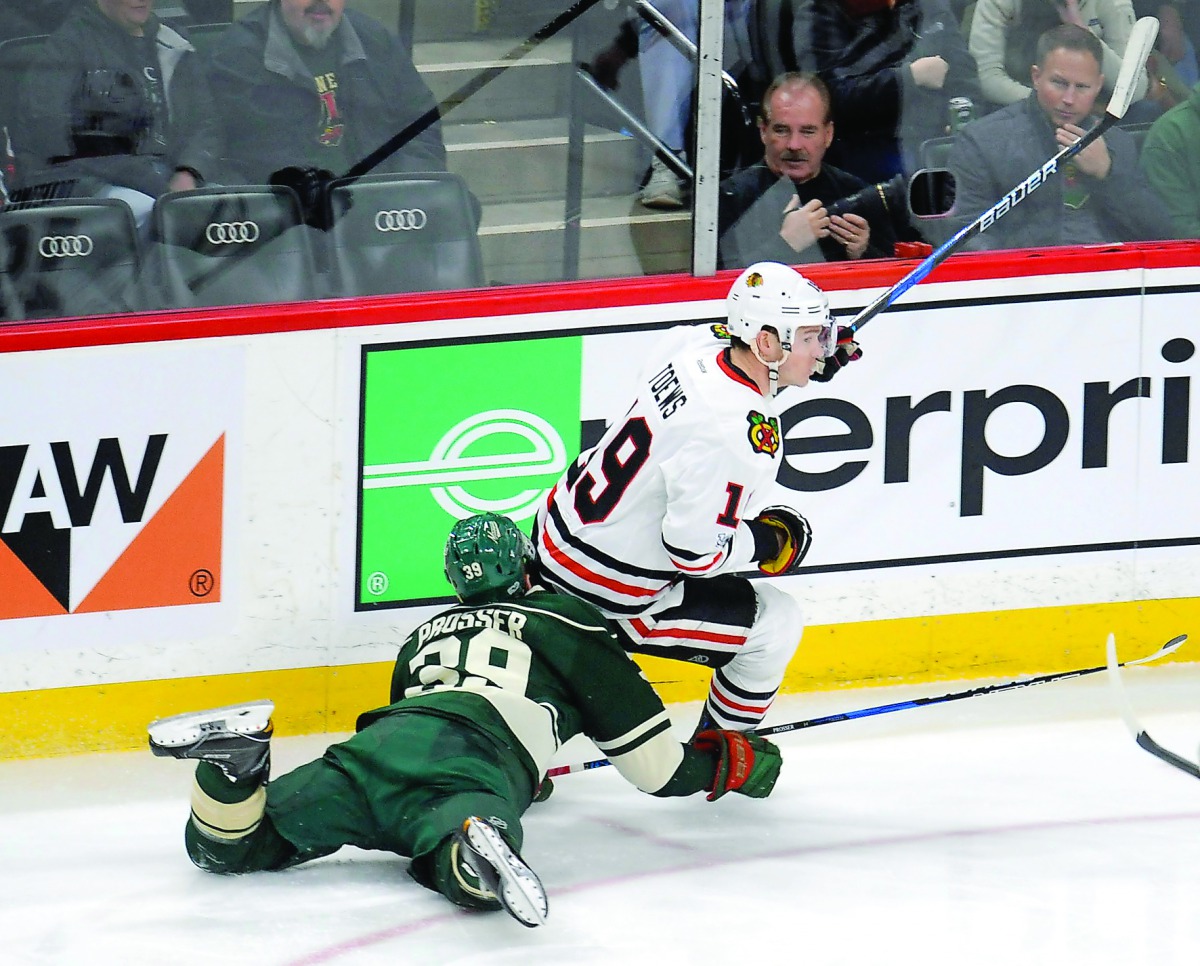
1017, 828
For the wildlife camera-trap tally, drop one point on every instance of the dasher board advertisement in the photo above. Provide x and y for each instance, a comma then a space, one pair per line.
449, 431
986, 431
115, 469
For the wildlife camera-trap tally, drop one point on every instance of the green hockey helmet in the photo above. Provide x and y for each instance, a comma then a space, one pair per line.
486, 557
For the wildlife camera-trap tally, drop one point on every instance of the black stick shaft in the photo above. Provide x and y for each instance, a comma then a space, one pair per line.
878, 709
922, 702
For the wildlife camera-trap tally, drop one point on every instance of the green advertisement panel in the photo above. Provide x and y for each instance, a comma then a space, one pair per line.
449, 431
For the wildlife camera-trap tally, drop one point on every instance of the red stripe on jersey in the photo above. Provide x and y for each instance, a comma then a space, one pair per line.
699, 570
758, 709
734, 373
579, 570
693, 635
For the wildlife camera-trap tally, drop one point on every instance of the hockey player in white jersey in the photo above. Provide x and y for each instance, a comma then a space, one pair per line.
653, 524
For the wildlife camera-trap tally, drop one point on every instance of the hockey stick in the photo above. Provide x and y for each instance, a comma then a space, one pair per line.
1138, 732
1141, 39
1172, 645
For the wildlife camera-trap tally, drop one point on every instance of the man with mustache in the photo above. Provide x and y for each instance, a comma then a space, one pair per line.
1099, 196
309, 84
777, 210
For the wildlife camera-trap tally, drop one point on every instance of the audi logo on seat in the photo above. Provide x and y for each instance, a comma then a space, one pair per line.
65, 246
404, 219
231, 232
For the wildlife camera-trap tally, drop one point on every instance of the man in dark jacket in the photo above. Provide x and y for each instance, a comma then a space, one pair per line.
1099, 196
309, 84
893, 66
120, 105
777, 210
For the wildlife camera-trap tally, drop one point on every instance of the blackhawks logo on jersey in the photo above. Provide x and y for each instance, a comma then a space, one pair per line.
720, 330
763, 433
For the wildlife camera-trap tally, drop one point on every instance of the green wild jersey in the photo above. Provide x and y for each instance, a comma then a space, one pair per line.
533, 673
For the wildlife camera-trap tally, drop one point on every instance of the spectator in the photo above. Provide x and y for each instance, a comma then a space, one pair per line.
667, 77
1172, 64
1176, 46
307, 83
893, 67
1171, 162
1004, 34
776, 210
667, 82
1098, 196
120, 108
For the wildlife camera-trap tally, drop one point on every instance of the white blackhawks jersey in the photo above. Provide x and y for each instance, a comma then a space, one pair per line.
664, 493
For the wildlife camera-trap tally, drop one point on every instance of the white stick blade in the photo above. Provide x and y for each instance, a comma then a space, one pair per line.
1120, 698
1173, 645
1141, 40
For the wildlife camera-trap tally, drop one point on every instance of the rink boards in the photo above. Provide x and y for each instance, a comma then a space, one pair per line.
198, 509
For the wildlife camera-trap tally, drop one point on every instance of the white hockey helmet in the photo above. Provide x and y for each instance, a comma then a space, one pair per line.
771, 295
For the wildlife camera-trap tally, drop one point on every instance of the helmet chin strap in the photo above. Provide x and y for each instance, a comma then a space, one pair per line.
772, 367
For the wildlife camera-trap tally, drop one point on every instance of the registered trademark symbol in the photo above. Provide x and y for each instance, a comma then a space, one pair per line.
201, 583
377, 583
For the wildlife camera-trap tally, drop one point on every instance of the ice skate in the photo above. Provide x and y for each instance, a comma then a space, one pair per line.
237, 738
503, 872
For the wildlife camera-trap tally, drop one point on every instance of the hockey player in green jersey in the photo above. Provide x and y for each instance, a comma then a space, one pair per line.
482, 696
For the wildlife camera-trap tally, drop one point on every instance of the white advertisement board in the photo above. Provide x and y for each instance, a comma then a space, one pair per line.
984, 432
119, 468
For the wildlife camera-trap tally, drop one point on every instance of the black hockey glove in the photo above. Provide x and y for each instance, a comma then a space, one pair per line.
746, 763
847, 351
795, 539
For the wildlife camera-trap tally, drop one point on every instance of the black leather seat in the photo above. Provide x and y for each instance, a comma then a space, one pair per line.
935, 152
233, 246
1138, 132
68, 258
410, 233
205, 36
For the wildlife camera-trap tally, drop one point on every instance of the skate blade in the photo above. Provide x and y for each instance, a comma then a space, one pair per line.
239, 719
520, 890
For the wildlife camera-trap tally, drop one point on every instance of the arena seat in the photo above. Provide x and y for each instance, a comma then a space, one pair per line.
935, 152
205, 36
1138, 132
68, 258
233, 246
402, 233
